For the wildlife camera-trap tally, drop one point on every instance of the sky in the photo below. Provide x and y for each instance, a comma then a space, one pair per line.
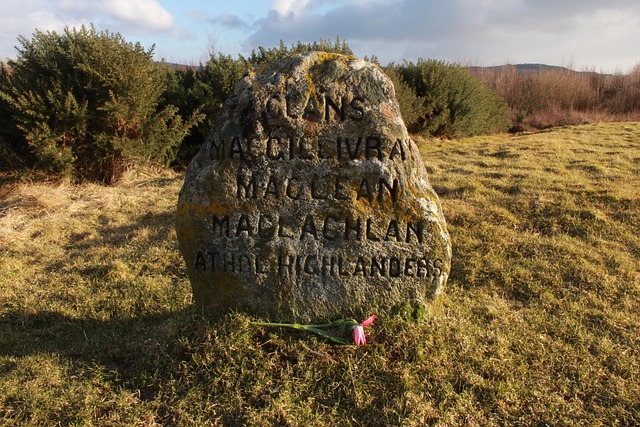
594, 35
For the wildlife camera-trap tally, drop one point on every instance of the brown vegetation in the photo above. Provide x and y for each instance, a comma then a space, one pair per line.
542, 96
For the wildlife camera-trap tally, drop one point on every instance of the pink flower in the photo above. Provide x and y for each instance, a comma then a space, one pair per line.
358, 331
358, 335
369, 320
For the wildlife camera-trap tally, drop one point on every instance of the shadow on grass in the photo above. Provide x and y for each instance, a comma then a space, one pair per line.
122, 345
195, 359
148, 355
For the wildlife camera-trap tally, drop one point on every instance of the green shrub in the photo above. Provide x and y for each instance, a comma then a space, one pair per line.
12, 154
411, 105
454, 103
86, 103
265, 55
202, 89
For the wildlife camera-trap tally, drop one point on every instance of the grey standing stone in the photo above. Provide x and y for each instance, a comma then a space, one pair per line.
309, 200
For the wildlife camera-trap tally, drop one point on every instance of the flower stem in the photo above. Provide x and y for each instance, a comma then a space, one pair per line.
316, 329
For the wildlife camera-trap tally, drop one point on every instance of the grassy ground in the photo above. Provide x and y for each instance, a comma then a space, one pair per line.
539, 324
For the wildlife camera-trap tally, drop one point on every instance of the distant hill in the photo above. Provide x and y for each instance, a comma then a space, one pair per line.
179, 66
529, 69
521, 68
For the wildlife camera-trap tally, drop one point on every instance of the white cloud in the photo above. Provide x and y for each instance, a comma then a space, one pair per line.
232, 22
148, 14
28, 14
289, 7
585, 32
144, 16
132, 17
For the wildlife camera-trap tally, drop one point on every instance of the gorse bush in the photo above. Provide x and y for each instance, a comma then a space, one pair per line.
411, 105
201, 89
454, 103
12, 156
86, 104
265, 55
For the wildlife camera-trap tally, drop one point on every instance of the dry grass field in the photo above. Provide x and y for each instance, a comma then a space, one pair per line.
539, 325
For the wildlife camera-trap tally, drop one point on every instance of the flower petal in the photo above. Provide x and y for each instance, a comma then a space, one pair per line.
358, 335
369, 320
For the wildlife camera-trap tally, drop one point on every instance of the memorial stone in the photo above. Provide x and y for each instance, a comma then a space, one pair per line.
309, 201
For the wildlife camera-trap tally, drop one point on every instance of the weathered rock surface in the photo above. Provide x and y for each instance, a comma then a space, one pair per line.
309, 200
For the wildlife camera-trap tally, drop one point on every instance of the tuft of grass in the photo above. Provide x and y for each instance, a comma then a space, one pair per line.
538, 326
